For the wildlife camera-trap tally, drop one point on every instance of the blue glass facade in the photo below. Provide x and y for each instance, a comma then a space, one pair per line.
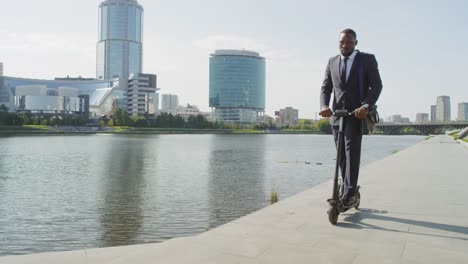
119, 50
237, 80
237, 86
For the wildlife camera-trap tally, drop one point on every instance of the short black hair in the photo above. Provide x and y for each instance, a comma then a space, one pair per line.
349, 31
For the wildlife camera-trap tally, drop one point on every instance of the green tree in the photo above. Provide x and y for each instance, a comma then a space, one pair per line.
25, 118
202, 122
140, 121
118, 117
3, 108
324, 126
35, 120
54, 121
80, 121
163, 120
179, 122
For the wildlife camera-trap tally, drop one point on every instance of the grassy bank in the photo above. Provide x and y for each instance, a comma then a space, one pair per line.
27, 129
455, 134
207, 131
132, 130
40, 129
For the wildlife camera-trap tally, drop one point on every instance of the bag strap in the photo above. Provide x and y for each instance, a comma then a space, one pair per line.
376, 115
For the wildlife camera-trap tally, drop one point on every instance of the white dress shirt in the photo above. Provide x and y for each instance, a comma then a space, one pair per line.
349, 63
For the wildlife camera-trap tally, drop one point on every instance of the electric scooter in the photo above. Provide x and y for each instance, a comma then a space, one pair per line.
335, 204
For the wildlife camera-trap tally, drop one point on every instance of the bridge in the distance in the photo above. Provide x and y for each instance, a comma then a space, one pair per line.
424, 128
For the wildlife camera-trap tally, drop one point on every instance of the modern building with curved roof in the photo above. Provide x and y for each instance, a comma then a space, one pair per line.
61, 96
237, 86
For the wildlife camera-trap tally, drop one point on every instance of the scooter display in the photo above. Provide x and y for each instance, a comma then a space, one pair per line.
336, 206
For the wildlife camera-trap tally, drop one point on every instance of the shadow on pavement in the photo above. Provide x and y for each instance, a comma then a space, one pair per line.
357, 221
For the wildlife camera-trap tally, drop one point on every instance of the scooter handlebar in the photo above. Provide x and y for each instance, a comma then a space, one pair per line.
341, 113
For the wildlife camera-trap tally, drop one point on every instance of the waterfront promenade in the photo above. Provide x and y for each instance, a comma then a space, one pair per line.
414, 209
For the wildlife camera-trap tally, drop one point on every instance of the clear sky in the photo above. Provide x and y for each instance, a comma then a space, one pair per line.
420, 45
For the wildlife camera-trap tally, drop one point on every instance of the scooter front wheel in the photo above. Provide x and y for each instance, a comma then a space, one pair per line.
333, 214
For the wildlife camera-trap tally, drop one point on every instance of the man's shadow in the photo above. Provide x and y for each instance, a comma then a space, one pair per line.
356, 220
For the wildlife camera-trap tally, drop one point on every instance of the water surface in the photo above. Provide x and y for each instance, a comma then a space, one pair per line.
73, 192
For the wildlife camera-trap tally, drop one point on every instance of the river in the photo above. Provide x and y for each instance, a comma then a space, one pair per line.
72, 192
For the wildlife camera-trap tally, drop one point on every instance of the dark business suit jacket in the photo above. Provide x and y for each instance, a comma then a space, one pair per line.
348, 96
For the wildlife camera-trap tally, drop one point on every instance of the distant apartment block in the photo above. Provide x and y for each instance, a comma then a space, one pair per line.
398, 119
422, 118
1, 68
433, 113
207, 115
188, 110
169, 103
462, 112
443, 109
141, 93
395, 119
266, 120
287, 117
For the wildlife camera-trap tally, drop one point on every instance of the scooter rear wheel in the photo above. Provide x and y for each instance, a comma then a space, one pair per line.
358, 200
333, 214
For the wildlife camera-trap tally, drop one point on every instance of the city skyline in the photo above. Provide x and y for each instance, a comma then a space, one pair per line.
410, 40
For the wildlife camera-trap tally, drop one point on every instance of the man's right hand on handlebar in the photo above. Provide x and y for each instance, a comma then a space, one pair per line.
325, 111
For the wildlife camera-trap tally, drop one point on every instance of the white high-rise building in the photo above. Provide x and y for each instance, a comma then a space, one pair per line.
443, 109
462, 112
422, 118
396, 119
433, 113
141, 93
169, 103
120, 47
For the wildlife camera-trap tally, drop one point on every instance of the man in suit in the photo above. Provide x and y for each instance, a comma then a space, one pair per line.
354, 79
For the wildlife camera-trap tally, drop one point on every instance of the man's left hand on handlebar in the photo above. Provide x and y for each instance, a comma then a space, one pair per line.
361, 112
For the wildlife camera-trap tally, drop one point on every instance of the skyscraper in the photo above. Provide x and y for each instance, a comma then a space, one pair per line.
462, 112
433, 113
443, 109
169, 103
422, 118
120, 48
237, 86
1, 68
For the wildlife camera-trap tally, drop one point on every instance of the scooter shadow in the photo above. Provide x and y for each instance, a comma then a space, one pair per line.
357, 220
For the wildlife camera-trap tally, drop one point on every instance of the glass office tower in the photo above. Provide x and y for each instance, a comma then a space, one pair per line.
237, 86
119, 50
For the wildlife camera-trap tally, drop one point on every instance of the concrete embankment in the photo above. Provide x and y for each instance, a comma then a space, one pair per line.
414, 209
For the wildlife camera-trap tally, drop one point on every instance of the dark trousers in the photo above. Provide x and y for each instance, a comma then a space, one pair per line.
351, 153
